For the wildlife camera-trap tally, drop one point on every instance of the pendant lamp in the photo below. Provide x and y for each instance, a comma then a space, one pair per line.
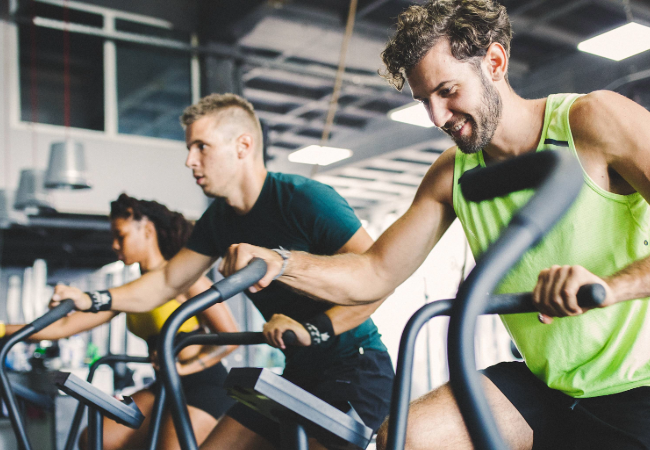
5, 219
31, 191
67, 166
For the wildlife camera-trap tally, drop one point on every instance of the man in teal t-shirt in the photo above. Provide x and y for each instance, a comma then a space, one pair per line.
296, 213
586, 380
339, 357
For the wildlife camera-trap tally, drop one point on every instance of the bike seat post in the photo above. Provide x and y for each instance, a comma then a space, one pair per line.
95, 429
292, 434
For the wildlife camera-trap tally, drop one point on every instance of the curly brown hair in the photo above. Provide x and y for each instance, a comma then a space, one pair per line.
469, 25
172, 229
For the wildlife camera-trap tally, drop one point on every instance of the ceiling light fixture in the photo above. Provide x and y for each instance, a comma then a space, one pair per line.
5, 214
619, 43
67, 167
413, 114
31, 194
317, 154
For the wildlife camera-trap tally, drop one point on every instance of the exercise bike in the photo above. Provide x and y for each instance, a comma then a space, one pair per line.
298, 412
558, 180
99, 404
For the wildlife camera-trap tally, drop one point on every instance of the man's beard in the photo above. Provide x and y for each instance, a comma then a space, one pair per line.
489, 114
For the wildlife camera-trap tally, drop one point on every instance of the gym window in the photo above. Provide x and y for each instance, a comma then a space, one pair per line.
128, 74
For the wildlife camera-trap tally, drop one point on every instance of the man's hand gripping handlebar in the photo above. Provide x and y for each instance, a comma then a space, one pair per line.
239, 255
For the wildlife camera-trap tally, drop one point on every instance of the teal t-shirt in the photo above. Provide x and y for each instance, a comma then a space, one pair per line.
298, 214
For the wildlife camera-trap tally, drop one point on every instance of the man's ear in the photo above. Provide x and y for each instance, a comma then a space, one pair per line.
245, 145
496, 60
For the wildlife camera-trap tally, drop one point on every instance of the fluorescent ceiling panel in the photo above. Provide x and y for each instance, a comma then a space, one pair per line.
413, 114
619, 43
316, 154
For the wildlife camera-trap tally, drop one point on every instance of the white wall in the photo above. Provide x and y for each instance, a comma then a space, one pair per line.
440, 275
142, 167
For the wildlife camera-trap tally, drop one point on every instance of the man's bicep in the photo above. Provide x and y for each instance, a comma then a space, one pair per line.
404, 246
633, 163
358, 243
613, 131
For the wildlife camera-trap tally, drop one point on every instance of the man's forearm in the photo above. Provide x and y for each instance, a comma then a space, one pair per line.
632, 282
345, 279
345, 318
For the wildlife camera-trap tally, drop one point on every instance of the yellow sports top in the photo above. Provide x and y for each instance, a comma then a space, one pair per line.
148, 324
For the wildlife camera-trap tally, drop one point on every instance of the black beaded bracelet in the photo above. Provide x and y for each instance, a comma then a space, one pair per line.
320, 329
101, 301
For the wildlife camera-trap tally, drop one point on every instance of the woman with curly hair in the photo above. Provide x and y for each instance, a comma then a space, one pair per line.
148, 233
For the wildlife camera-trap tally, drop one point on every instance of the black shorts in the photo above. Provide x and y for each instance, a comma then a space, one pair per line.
610, 422
204, 390
365, 380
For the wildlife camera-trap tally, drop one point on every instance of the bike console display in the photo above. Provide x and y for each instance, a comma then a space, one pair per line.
125, 412
281, 401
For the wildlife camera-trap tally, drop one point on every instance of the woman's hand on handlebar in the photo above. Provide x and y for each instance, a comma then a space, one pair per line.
279, 323
555, 292
81, 300
239, 255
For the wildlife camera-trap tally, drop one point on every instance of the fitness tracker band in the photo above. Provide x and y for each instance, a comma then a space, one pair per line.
101, 301
320, 329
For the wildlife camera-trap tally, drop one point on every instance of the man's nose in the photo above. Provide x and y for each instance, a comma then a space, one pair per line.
439, 113
190, 160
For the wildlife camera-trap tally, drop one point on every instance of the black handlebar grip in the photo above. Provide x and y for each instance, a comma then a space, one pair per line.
53, 315
591, 295
242, 279
289, 338
524, 172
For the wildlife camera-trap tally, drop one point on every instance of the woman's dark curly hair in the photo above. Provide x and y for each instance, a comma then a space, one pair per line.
172, 229
469, 25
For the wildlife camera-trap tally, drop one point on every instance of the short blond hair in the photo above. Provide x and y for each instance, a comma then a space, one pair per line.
228, 106
215, 103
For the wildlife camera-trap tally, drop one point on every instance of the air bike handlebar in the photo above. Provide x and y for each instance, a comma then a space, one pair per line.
42, 322
240, 338
217, 293
558, 179
590, 295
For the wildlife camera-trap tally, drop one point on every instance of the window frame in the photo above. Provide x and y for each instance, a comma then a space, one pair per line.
110, 35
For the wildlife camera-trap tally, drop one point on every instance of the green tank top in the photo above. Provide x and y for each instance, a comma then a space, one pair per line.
604, 351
